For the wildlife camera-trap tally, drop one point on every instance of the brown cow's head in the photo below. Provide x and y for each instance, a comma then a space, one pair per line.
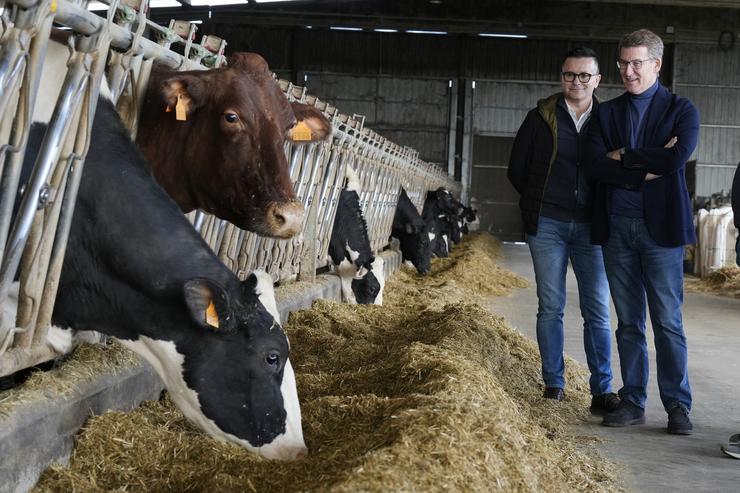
233, 162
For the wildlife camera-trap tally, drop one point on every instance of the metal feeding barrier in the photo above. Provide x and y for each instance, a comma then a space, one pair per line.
116, 47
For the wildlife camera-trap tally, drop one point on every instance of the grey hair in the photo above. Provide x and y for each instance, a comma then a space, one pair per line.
642, 37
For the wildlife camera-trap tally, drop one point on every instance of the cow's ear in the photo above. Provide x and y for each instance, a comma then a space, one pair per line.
209, 305
184, 93
259, 283
249, 62
311, 126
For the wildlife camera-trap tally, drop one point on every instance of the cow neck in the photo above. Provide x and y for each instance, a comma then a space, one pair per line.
162, 140
156, 249
354, 227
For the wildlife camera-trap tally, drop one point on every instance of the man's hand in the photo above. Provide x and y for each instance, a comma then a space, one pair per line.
616, 154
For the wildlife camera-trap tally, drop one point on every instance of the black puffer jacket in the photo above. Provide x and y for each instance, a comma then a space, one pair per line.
532, 156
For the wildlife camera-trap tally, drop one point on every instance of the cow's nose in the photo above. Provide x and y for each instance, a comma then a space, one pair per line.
285, 219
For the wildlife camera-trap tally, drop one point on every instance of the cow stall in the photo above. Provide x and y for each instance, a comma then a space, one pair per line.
122, 46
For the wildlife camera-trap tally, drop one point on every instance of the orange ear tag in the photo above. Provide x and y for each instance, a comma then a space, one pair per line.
211, 315
180, 110
168, 109
301, 132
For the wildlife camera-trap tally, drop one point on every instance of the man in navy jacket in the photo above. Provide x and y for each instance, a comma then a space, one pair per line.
636, 150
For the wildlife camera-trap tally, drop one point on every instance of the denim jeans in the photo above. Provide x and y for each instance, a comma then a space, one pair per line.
552, 246
641, 271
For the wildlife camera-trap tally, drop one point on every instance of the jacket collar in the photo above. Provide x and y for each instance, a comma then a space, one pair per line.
660, 104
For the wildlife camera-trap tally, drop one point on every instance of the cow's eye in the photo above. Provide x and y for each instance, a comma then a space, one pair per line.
231, 117
272, 359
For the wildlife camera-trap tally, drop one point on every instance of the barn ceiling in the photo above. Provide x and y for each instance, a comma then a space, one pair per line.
679, 20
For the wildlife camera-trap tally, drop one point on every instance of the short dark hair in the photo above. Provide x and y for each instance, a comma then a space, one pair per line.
582, 52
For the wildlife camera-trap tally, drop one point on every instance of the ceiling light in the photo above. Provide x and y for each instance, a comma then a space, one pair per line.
343, 28
503, 35
383, 30
417, 31
196, 22
215, 3
155, 4
96, 6
272, 1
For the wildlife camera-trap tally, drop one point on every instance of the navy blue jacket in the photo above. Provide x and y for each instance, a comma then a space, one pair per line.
667, 207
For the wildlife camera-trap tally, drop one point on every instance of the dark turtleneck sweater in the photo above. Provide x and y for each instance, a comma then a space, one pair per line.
623, 202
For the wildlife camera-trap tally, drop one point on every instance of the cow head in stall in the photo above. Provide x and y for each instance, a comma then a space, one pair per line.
216, 141
414, 235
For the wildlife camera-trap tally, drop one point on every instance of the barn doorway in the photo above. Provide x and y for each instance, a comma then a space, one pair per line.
490, 191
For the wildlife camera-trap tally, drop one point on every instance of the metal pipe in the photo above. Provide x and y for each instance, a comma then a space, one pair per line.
74, 85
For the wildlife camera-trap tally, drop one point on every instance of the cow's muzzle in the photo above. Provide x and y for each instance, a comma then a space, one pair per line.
284, 219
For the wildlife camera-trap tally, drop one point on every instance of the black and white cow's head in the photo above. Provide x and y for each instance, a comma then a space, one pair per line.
416, 245
445, 202
469, 214
228, 369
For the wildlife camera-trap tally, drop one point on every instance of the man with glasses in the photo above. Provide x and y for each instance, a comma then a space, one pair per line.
545, 168
636, 150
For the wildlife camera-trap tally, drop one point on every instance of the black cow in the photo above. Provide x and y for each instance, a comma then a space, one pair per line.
414, 235
349, 249
469, 216
439, 203
135, 269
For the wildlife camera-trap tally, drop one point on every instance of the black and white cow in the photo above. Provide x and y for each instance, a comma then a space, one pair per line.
135, 269
360, 271
413, 233
470, 219
437, 205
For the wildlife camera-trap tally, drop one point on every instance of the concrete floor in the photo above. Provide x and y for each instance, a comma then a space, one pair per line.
654, 460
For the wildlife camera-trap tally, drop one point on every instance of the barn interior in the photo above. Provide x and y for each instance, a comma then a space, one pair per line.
452, 80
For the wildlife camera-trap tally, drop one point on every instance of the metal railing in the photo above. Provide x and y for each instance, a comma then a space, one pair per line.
34, 244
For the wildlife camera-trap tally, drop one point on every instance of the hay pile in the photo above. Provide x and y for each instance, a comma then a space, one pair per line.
724, 282
470, 273
438, 397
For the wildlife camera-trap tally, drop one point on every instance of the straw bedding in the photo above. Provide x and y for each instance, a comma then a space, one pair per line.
724, 282
423, 394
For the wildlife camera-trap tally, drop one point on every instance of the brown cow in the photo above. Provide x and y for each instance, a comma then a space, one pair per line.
215, 142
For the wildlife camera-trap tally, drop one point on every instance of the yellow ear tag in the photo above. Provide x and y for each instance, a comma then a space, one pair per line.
211, 315
301, 132
180, 110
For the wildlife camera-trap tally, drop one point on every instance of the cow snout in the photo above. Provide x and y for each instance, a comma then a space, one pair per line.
284, 219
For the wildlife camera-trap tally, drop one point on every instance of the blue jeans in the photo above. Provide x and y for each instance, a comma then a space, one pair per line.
552, 246
639, 270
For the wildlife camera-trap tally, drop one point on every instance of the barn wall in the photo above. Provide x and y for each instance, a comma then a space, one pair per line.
710, 77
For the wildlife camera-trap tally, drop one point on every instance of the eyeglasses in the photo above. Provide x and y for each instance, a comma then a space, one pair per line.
636, 64
571, 76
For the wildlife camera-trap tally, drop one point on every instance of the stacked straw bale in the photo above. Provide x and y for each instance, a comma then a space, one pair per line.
427, 393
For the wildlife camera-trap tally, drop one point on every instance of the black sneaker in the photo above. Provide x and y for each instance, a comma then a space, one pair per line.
678, 420
604, 404
555, 393
625, 414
